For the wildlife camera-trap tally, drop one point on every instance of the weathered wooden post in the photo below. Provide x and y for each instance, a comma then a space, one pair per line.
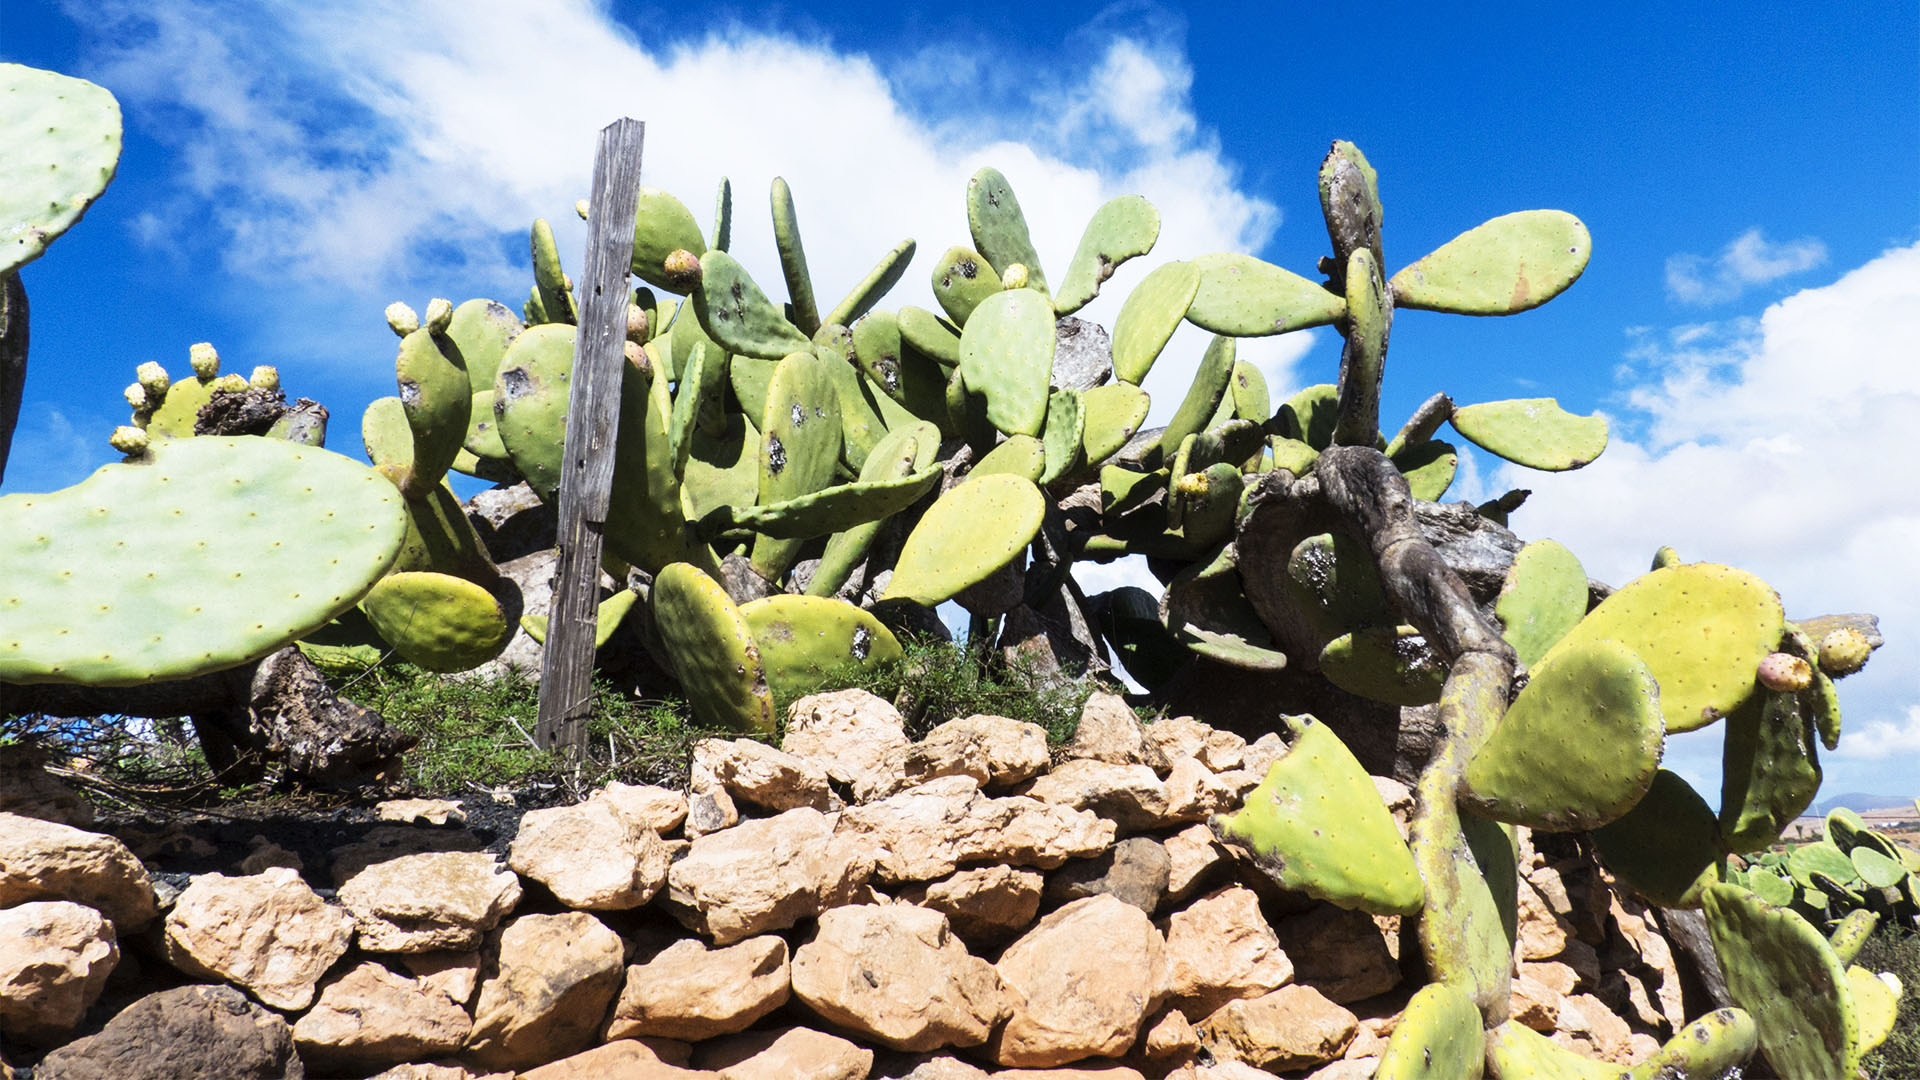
593, 421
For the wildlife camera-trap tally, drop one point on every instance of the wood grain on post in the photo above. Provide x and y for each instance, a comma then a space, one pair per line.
593, 422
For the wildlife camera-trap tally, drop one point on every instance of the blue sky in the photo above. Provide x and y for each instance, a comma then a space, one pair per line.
1750, 174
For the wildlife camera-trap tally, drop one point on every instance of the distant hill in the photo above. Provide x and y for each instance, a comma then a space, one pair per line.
1862, 803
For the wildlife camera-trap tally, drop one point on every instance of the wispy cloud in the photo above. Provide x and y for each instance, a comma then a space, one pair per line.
1751, 259
1781, 444
1878, 739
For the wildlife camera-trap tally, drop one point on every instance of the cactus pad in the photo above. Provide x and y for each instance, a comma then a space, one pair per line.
1385, 663
549, 280
1438, 1038
967, 534
1535, 432
1149, 317
1429, 468
962, 279
1309, 415
438, 621
1701, 627
806, 640
1113, 414
438, 399
62, 136
1667, 847
1006, 354
868, 291
711, 650
530, 400
1779, 969
1544, 597
1122, 229
737, 315
1510, 264
1212, 380
1579, 745
1245, 297
999, 228
607, 618
663, 225
800, 437
212, 552
1316, 825
482, 330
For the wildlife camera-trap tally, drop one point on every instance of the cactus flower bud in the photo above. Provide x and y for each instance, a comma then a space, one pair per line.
1015, 277
265, 377
580, 207
1844, 651
205, 360
131, 441
681, 270
1785, 673
637, 323
230, 384
154, 378
137, 398
401, 319
439, 315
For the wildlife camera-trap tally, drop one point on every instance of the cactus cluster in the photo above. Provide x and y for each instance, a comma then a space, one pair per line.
1851, 869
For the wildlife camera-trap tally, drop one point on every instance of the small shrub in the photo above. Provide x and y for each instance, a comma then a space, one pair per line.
1898, 951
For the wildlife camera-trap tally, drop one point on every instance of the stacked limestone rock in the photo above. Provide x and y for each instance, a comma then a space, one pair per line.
851, 905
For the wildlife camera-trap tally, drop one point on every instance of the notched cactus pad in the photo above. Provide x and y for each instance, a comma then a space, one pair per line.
214, 552
1122, 229
62, 140
1316, 825
1535, 432
1512, 263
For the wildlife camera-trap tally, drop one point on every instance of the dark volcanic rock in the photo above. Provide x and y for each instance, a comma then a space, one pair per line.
207, 1032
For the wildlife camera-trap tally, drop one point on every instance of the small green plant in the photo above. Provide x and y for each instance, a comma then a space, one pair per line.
936, 681
1896, 950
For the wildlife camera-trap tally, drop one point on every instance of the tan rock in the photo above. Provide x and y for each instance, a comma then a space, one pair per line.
986, 902
29, 790
1179, 737
927, 832
269, 934
709, 812
624, 1059
1088, 1072
1130, 796
1170, 1037
849, 733
1563, 979
454, 973
1262, 752
657, 808
591, 856
1110, 732
1542, 933
1080, 984
1365, 1044
45, 860
431, 811
1221, 948
757, 774
415, 1070
1294, 1027
1581, 957
1193, 855
549, 981
1533, 1002
384, 842
1397, 796
795, 1053
428, 902
55, 956
264, 856
767, 875
896, 973
1341, 953
1587, 1016
692, 992
1353, 1068
897, 1066
1219, 1070
995, 751
1196, 793
367, 1017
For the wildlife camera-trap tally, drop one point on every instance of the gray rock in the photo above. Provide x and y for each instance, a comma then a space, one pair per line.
206, 1032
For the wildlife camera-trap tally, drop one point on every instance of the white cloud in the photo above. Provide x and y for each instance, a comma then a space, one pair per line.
1879, 738
1751, 259
1783, 445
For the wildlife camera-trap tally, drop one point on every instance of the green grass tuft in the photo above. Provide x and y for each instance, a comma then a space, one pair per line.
1894, 949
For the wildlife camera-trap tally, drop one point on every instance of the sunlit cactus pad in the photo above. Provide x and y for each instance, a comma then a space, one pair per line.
62, 139
214, 552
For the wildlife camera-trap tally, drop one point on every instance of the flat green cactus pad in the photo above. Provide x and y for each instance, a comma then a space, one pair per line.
722, 237
805, 641
482, 330
1429, 468
549, 280
1769, 773
1006, 354
1512, 263
1703, 629
483, 430
1515, 1052
1385, 663
1211, 382
868, 290
802, 308
1709, 1048
737, 315
1309, 415
438, 399
1852, 932
1579, 745
961, 280
62, 139
999, 228
1122, 229
1779, 969
904, 451
1667, 847
800, 435
711, 650
1439, 1038
832, 509
1316, 825
531, 395
185, 398
929, 333
1064, 435
646, 518
1149, 317
606, 618
438, 621
1877, 1005
1113, 414
968, 533
1242, 296
664, 225
1535, 432
904, 374
1020, 455
1544, 597
723, 468
214, 552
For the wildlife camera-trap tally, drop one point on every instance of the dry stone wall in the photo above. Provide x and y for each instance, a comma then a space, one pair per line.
850, 905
